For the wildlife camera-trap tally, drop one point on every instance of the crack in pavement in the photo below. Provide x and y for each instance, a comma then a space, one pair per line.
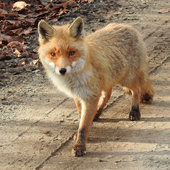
54, 152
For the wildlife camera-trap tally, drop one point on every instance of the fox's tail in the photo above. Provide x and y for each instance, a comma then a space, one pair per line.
147, 92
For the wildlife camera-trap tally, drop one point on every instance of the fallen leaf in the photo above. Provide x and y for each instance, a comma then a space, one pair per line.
21, 62
2, 75
25, 54
117, 13
3, 12
34, 56
34, 62
15, 44
63, 11
27, 31
7, 39
28, 69
36, 49
163, 11
2, 16
90, 1
19, 6
113, 12
6, 6
16, 52
16, 31
57, 6
6, 55
9, 61
1, 44
72, 3
4, 37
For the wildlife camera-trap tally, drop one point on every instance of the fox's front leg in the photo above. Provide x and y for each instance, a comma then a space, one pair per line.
88, 111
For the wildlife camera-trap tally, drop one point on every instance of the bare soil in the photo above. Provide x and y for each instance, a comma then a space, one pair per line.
37, 123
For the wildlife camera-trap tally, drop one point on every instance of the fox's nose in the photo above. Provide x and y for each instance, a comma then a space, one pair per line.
62, 71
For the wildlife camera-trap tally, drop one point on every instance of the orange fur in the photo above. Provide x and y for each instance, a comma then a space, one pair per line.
87, 67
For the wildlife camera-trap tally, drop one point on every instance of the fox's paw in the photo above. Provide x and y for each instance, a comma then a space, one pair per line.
134, 115
78, 150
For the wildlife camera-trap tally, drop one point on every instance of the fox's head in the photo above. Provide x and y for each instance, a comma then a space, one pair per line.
62, 48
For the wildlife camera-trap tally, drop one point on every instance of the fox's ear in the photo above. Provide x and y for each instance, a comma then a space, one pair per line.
76, 29
45, 31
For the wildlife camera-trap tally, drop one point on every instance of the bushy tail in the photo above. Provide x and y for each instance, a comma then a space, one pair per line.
147, 92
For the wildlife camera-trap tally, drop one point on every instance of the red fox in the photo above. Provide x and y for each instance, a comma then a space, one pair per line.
85, 67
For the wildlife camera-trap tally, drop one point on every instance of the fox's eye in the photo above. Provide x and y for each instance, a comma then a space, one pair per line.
71, 53
53, 54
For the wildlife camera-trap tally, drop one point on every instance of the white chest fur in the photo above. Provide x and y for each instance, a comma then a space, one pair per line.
74, 85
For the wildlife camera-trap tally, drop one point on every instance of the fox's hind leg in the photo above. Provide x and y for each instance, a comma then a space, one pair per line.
104, 99
135, 113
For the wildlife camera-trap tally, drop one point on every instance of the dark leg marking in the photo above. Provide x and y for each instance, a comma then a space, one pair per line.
99, 112
135, 113
79, 149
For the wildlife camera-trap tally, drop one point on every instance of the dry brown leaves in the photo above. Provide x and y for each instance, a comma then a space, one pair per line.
19, 20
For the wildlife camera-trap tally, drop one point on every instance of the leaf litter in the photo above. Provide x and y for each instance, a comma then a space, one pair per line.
19, 21
18, 28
